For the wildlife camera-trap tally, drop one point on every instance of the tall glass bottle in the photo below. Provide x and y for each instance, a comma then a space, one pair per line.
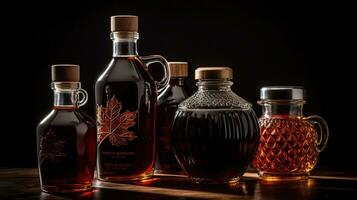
168, 101
66, 138
126, 104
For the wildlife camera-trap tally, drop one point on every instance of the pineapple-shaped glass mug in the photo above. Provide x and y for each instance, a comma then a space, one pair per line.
289, 142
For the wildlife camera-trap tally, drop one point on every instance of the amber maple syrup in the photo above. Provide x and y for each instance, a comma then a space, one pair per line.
126, 124
126, 96
214, 145
288, 145
168, 102
289, 142
66, 138
67, 151
215, 133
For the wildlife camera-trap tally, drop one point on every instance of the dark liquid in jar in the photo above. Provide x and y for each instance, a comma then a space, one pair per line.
126, 104
67, 143
215, 146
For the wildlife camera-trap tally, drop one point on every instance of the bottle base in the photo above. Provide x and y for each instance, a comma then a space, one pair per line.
214, 182
143, 176
66, 188
267, 176
161, 172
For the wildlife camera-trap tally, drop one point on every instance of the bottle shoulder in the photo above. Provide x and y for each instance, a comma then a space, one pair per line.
47, 119
84, 117
173, 94
125, 69
66, 117
215, 99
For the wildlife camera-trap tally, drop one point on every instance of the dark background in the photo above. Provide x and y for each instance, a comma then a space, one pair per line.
285, 43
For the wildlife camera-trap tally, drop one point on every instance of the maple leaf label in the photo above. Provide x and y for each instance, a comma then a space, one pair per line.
114, 124
51, 147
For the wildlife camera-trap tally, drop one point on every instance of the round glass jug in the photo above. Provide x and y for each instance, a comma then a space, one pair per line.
215, 133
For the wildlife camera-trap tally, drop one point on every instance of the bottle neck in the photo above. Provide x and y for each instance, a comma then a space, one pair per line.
66, 95
179, 81
282, 108
124, 43
217, 85
65, 99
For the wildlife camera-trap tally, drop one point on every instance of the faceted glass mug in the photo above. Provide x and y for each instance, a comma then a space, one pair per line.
289, 143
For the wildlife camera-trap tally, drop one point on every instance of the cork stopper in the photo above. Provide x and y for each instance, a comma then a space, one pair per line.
65, 73
213, 73
124, 23
178, 69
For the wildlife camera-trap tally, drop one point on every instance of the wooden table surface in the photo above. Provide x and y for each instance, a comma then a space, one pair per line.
24, 184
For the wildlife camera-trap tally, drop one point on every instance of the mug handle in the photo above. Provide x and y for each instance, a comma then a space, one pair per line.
322, 131
148, 60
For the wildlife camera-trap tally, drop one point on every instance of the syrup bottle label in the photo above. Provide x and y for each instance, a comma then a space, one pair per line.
114, 124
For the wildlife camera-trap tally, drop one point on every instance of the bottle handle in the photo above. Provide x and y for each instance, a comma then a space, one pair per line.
322, 131
148, 60
82, 101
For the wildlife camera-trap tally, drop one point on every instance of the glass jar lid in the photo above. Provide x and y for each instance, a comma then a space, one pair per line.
282, 93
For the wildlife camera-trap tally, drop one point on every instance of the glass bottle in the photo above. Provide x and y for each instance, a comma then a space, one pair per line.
289, 142
168, 101
215, 133
126, 96
66, 137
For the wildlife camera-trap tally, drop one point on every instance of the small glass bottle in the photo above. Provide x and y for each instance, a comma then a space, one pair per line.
215, 133
289, 142
126, 97
168, 102
66, 137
